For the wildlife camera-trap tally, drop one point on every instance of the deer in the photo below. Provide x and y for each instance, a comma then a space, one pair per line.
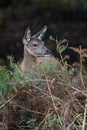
34, 49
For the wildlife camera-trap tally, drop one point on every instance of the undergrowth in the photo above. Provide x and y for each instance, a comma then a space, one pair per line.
60, 105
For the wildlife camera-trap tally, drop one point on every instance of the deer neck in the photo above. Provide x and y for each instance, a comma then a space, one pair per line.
28, 61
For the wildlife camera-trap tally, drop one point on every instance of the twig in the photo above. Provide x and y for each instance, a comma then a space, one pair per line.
8, 101
36, 112
81, 57
54, 105
84, 120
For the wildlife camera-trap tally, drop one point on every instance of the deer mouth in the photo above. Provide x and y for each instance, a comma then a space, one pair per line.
47, 55
44, 55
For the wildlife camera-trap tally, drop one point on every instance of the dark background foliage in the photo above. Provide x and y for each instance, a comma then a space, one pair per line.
65, 19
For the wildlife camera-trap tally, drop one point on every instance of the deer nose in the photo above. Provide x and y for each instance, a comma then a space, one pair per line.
48, 52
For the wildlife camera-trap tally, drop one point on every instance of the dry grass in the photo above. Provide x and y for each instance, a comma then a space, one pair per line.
61, 105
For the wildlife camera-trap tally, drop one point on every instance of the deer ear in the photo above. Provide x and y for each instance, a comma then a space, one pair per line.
41, 33
27, 36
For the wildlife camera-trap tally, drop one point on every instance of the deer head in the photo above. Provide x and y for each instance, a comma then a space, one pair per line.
34, 47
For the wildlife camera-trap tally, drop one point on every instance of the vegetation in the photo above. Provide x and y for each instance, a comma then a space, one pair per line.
62, 4
26, 104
